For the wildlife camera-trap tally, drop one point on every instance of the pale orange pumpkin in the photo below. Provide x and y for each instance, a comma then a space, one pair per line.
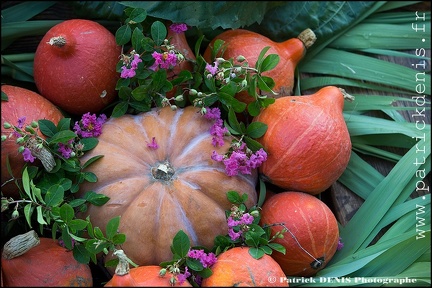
307, 140
237, 268
249, 44
32, 261
158, 192
313, 235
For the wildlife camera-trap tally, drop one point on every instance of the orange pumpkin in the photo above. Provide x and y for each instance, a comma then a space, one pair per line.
141, 276
250, 44
30, 261
307, 141
158, 192
21, 103
75, 66
237, 268
314, 228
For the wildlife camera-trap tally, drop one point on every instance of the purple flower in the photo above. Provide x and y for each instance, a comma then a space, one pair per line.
218, 132
90, 125
212, 113
178, 27
20, 125
212, 69
234, 235
247, 219
66, 149
181, 277
153, 144
206, 259
164, 60
340, 244
130, 72
256, 159
28, 156
232, 222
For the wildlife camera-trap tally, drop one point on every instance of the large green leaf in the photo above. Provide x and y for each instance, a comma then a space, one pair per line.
207, 14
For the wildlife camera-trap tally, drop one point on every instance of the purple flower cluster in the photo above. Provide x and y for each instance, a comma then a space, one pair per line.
206, 260
90, 125
178, 27
241, 160
212, 69
241, 224
66, 149
165, 60
130, 72
181, 277
218, 130
28, 156
340, 244
20, 125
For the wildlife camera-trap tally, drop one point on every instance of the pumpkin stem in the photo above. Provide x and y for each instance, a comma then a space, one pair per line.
123, 265
58, 41
347, 96
163, 171
308, 37
20, 244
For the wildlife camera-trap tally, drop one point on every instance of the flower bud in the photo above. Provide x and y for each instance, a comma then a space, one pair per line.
20, 140
220, 60
30, 129
162, 272
244, 83
179, 98
176, 270
72, 154
173, 107
193, 92
7, 125
172, 280
241, 58
3, 138
4, 204
199, 94
255, 213
21, 149
34, 124
15, 214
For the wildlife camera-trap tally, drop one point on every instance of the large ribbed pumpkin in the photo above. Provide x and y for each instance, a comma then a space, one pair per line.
158, 192
314, 228
307, 140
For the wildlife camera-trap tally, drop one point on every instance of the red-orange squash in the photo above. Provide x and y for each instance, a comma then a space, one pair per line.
158, 192
237, 268
21, 102
75, 66
307, 140
45, 264
250, 44
142, 276
313, 225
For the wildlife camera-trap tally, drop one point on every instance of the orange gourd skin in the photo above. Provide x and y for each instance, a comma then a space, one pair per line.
21, 102
307, 141
144, 276
250, 44
46, 265
313, 224
237, 268
80, 76
152, 209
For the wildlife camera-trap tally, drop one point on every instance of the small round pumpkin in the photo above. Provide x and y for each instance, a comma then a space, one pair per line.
307, 141
32, 261
313, 225
159, 191
26, 103
141, 276
75, 66
235, 267
250, 44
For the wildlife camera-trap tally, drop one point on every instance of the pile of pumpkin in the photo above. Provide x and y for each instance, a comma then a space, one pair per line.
177, 186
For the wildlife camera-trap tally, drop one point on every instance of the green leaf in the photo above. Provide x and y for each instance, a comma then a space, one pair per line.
137, 15
120, 109
95, 198
123, 35
77, 224
234, 197
256, 253
89, 143
62, 137
90, 177
26, 183
54, 196
81, 254
194, 264
252, 144
91, 160
66, 213
181, 244
256, 129
28, 211
158, 32
118, 239
112, 227
47, 127
277, 247
40, 216
269, 62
